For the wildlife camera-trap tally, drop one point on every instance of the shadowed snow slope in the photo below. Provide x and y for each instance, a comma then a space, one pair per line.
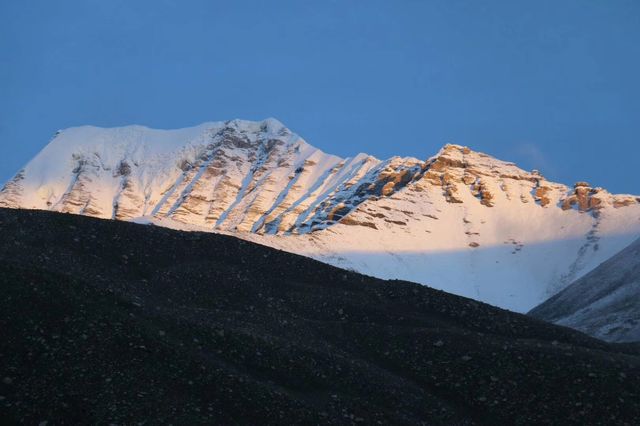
604, 303
461, 221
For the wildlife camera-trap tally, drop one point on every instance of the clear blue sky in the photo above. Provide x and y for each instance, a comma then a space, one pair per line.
553, 85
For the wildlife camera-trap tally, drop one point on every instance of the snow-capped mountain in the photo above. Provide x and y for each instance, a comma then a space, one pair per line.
461, 221
605, 303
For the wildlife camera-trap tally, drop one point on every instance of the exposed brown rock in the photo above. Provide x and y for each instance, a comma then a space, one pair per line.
451, 196
77, 200
583, 197
617, 203
468, 179
480, 189
442, 163
129, 204
448, 178
530, 178
541, 195
487, 198
450, 188
396, 222
348, 220
395, 176
338, 212
387, 189
11, 191
596, 203
432, 178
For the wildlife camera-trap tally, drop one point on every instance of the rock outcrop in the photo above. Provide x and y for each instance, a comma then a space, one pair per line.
588, 199
442, 221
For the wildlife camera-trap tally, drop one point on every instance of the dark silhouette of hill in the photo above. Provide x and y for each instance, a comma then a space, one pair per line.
112, 322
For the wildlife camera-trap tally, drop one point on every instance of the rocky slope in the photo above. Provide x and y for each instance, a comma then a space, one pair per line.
461, 221
117, 323
604, 303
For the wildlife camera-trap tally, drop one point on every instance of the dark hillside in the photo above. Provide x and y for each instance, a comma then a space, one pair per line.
111, 322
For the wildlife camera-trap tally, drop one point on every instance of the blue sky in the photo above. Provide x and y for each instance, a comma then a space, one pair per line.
552, 85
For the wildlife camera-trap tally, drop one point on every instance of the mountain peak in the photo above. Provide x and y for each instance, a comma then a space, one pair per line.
452, 147
458, 156
457, 169
259, 180
269, 126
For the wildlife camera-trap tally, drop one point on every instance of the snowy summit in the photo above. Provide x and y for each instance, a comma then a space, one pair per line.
460, 221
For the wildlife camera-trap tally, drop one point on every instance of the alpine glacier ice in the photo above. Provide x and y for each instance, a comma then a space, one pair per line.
460, 221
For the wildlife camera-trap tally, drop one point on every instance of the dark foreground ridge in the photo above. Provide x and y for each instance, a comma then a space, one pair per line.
111, 322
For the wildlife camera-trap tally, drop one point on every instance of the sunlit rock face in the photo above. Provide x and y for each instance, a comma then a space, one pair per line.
235, 176
461, 220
